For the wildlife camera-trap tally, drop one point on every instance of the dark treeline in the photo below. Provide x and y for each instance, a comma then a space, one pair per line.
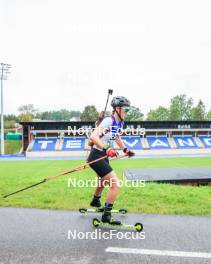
181, 107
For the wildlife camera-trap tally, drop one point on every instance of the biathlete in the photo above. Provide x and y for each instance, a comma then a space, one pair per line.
103, 135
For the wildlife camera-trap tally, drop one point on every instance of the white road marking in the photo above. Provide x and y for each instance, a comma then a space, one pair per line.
158, 252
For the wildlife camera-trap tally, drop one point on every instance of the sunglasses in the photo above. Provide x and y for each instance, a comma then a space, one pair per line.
126, 109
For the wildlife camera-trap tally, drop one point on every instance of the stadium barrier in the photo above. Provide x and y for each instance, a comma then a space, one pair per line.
77, 146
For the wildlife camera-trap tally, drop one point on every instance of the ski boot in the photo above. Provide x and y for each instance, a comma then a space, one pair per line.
96, 201
107, 218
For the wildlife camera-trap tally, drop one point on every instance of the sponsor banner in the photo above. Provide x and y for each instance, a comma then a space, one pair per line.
133, 143
206, 140
44, 144
73, 144
185, 142
158, 142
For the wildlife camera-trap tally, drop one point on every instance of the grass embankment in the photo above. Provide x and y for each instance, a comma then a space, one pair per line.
12, 146
55, 194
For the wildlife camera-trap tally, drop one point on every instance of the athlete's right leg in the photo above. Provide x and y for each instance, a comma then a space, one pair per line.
113, 182
102, 169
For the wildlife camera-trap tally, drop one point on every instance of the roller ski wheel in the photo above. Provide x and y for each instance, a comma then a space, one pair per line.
100, 210
82, 210
95, 222
123, 211
137, 227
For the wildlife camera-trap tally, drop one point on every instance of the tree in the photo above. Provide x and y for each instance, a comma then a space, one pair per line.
75, 114
134, 114
11, 118
9, 124
209, 115
199, 111
159, 114
63, 114
10, 121
180, 108
27, 112
89, 113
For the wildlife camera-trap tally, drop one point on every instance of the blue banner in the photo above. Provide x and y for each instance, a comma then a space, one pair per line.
158, 142
185, 142
206, 140
132, 142
44, 144
73, 144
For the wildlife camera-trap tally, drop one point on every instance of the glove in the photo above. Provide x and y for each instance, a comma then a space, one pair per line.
111, 152
128, 152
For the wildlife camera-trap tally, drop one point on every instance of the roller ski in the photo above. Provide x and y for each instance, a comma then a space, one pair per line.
100, 210
117, 224
108, 221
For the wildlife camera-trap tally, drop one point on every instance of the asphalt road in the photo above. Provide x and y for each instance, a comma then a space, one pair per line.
47, 236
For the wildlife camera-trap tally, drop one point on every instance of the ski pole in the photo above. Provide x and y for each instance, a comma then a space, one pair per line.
110, 92
102, 114
84, 166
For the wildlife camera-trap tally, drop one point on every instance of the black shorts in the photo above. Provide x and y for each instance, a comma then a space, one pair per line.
101, 167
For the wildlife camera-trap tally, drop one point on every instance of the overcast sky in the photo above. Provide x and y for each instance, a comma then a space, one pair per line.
66, 54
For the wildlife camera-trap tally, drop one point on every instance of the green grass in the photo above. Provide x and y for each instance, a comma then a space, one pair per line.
12, 146
55, 194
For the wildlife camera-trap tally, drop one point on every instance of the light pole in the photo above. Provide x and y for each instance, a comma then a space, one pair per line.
4, 71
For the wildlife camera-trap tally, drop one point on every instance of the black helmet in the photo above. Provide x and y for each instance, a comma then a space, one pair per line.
120, 101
